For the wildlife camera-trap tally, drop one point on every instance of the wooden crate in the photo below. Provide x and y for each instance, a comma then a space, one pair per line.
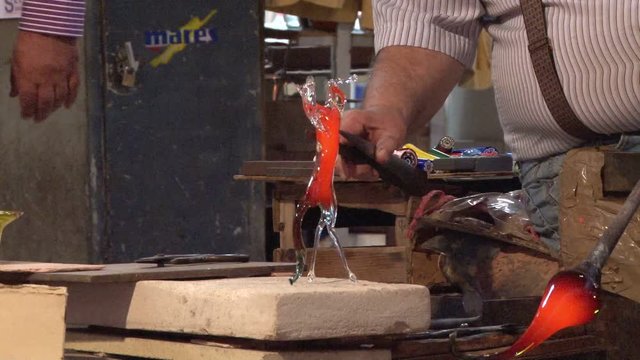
390, 264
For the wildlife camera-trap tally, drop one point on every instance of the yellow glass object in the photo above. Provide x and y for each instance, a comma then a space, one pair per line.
420, 153
6, 217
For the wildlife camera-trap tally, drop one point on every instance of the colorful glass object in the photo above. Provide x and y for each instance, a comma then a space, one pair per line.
571, 299
320, 191
6, 217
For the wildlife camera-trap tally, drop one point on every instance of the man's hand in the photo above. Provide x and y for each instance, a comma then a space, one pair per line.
384, 127
407, 87
44, 73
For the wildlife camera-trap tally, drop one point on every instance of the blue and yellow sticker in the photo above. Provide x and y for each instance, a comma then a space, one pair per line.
171, 42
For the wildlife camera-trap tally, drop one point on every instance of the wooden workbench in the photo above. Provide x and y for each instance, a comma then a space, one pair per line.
397, 261
600, 340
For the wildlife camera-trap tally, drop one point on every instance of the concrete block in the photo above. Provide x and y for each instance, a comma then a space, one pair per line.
32, 323
266, 308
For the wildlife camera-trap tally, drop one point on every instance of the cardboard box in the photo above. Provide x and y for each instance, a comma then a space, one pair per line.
590, 196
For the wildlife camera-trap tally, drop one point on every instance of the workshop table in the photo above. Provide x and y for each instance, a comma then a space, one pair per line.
600, 340
397, 261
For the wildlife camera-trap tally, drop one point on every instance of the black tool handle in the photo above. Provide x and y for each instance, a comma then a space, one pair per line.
395, 171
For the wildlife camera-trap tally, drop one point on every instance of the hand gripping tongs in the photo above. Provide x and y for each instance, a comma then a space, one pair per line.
395, 171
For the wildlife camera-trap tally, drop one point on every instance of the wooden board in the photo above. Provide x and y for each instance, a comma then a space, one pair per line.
296, 171
177, 349
32, 322
277, 168
128, 272
41, 267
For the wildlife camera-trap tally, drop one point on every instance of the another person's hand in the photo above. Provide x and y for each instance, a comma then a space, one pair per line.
44, 73
384, 127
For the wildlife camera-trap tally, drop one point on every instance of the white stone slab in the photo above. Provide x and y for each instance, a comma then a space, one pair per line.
267, 308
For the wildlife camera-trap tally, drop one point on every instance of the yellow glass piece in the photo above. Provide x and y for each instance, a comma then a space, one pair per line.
420, 153
6, 217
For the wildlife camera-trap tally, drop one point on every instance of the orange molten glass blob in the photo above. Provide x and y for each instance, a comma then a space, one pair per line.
571, 299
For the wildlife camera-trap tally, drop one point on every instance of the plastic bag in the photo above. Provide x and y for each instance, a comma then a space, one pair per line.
501, 212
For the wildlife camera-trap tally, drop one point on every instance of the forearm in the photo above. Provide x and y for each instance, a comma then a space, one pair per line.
412, 81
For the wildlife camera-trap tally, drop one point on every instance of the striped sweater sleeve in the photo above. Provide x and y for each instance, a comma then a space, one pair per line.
447, 26
57, 17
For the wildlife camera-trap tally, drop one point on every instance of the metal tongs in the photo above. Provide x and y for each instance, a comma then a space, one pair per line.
176, 259
395, 171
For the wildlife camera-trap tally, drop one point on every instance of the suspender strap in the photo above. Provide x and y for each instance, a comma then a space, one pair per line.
545, 70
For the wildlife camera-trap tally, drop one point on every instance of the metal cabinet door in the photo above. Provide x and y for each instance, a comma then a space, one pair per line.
173, 133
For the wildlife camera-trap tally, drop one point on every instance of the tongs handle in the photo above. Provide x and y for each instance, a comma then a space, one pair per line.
395, 171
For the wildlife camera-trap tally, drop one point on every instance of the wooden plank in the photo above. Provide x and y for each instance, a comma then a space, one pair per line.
273, 179
76, 355
175, 349
277, 168
287, 214
391, 208
136, 272
358, 195
473, 176
621, 171
269, 168
32, 322
40, 267
389, 264
275, 214
425, 269
400, 238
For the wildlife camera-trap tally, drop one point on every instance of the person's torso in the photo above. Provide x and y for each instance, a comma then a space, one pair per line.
596, 49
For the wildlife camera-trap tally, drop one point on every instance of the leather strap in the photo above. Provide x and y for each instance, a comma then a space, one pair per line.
543, 65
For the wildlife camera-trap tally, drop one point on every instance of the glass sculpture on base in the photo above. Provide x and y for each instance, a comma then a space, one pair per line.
320, 191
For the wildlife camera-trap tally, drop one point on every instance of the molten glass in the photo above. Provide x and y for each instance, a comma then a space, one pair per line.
571, 299
320, 191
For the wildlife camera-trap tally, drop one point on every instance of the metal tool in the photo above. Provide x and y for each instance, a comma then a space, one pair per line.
509, 329
395, 171
177, 259
591, 267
